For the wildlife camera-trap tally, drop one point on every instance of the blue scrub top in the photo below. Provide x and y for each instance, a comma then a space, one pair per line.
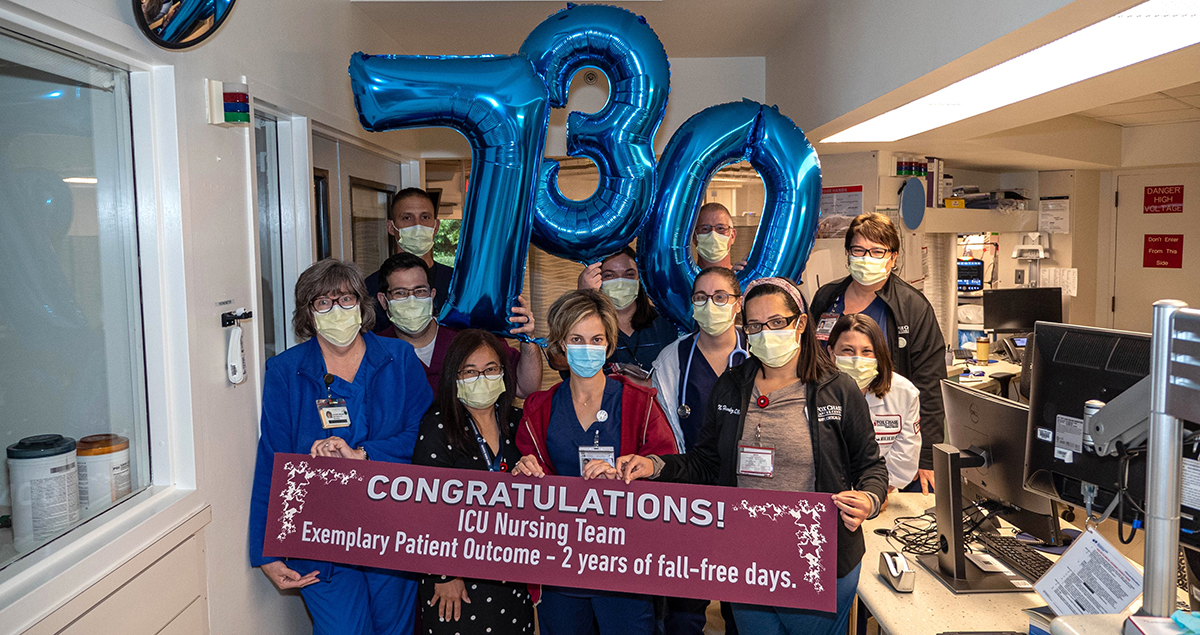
700, 383
643, 346
386, 401
565, 433
876, 310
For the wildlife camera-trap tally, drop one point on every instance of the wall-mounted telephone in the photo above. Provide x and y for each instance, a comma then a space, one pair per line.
235, 356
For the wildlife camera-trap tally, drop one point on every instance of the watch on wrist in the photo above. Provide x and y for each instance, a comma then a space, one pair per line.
364, 451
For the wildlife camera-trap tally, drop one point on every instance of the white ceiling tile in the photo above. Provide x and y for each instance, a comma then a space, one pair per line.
1151, 118
1133, 108
1184, 91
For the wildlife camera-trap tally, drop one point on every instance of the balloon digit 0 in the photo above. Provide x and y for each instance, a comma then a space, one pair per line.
715, 137
501, 106
619, 138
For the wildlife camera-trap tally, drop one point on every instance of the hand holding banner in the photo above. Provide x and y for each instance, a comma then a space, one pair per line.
741, 545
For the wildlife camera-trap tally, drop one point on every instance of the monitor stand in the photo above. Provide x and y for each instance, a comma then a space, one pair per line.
950, 565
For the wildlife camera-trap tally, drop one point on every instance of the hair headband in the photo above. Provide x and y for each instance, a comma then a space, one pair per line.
784, 284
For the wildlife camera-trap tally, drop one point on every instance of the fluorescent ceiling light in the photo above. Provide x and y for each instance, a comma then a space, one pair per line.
81, 180
1148, 30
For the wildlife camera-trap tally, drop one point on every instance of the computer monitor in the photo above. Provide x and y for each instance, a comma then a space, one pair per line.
1070, 366
1016, 310
986, 424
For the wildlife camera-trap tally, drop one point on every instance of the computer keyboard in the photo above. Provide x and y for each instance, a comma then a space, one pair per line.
1016, 555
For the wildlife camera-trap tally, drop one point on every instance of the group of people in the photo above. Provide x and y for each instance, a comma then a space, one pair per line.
377, 378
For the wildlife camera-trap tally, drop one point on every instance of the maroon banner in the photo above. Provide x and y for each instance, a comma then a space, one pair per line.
715, 543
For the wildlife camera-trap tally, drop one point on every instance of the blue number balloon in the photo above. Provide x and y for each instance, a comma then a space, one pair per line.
709, 140
501, 106
619, 138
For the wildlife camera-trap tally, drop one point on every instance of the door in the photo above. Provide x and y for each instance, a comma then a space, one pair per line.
1157, 244
273, 318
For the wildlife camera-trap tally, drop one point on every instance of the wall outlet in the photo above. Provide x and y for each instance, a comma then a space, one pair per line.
1019, 276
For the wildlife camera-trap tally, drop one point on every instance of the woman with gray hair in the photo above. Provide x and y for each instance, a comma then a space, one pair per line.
347, 393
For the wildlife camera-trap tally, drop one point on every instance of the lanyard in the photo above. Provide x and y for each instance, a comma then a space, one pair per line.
684, 411
495, 462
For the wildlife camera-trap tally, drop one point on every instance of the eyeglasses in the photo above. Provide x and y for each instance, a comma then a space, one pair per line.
400, 293
720, 229
877, 252
491, 372
324, 304
719, 298
773, 324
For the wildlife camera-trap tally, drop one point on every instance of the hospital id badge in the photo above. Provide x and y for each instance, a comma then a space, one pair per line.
825, 326
334, 413
606, 453
756, 461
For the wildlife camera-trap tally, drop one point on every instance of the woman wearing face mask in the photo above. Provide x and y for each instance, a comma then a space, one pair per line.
788, 398
857, 347
684, 375
578, 428
471, 426
642, 333
910, 329
347, 393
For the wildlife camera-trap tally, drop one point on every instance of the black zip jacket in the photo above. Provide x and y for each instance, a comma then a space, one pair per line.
916, 345
845, 454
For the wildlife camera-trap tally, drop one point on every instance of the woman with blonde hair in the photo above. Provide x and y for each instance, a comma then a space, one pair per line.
578, 428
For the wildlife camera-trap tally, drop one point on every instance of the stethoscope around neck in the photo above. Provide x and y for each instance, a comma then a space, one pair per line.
684, 411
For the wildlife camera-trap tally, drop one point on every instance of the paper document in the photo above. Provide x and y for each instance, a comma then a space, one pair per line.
1066, 279
1092, 578
1054, 216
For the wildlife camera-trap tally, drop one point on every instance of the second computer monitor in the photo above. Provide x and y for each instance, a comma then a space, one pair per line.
996, 427
1016, 310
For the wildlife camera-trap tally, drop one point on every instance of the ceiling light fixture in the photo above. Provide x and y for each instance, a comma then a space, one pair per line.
81, 180
1146, 31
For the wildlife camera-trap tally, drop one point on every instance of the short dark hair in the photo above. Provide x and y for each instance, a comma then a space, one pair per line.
724, 273
401, 262
410, 192
455, 417
866, 325
814, 364
644, 314
875, 227
329, 276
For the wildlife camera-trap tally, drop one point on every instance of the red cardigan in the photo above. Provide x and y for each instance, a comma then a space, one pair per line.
644, 427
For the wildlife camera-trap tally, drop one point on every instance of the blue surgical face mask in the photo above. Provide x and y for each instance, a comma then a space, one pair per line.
585, 360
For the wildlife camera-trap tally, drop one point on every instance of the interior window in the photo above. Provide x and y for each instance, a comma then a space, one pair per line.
73, 392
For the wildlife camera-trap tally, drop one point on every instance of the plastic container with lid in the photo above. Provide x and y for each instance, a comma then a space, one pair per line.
103, 470
43, 481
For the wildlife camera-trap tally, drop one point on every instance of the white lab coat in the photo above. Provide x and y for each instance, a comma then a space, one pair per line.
897, 420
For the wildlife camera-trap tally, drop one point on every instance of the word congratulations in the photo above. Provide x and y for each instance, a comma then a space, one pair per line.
523, 495
501, 104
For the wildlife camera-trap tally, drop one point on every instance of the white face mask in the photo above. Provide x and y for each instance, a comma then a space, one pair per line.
712, 247
714, 319
338, 326
412, 314
774, 348
480, 392
868, 271
862, 370
622, 291
416, 240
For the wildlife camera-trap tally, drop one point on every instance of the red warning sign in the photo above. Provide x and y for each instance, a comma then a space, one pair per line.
1163, 199
1163, 251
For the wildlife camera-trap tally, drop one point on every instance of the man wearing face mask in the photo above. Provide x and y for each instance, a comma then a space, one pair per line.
408, 302
347, 393
413, 224
905, 317
714, 236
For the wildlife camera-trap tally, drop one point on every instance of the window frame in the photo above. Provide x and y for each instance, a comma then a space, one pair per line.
44, 580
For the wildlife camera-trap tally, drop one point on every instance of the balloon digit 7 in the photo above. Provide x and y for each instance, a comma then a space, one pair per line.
501, 106
619, 138
715, 137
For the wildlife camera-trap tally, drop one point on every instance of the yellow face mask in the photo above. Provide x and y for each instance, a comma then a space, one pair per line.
774, 348
480, 392
338, 326
412, 314
863, 370
712, 246
622, 291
